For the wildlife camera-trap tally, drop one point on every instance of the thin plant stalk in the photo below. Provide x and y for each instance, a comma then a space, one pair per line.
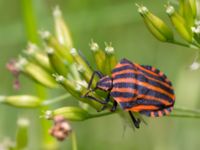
32, 35
187, 110
30, 20
195, 116
55, 100
74, 141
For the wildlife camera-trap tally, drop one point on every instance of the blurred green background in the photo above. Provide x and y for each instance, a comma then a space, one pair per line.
113, 21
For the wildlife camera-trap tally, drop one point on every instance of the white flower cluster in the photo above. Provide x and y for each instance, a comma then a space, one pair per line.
196, 28
195, 65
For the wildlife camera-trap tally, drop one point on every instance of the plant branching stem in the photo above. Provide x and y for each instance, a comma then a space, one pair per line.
179, 43
181, 112
194, 45
101, 114
184, 115
56, 99
188, 110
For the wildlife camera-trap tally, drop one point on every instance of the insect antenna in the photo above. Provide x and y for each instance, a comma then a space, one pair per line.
85, 59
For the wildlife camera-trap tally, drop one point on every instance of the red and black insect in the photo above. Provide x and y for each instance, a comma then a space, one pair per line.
136, 88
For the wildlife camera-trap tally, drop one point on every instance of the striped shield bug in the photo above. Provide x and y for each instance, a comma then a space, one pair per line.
136, 88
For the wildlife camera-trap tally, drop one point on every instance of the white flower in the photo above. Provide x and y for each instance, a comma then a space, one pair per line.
194, 66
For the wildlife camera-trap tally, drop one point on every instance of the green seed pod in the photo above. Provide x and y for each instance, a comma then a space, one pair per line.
110, 60
22, 101
57, 62
67, 84
186, 12
61, 50
36, 73
80, 61
179, 23
193, 4
62, 32
185, 5
22, 133
99, 56
75, 74
73, 87
181, 7
35, 54
69, 113
78, 89
155, 32
156, 25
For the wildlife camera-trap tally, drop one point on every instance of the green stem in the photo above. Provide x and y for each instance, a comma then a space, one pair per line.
185, 116
179, 43
55, 100
74, 141
101, 114
31, 29
181, 112
30, 20
195, 43
184, 109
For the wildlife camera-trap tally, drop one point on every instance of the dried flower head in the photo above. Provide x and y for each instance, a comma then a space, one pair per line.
11, 66
61, 128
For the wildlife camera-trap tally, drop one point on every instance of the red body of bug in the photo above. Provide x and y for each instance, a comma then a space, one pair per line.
137, 88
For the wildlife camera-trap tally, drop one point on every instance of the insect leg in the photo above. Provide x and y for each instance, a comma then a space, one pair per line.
136, 122
86, 94
95, 99
98, 73
107, 99
114, 107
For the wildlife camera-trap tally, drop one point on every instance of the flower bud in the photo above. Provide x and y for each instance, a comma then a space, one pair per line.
99, 56
35, 54
179, 23
62, 32
69, 113
110, 60
61, 50
80, 61
24, 101
57, 62
155, 25
35, 72
22, 133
